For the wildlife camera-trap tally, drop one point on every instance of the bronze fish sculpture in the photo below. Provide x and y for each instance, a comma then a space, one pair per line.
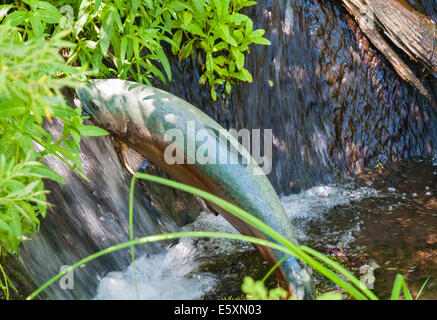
141, 117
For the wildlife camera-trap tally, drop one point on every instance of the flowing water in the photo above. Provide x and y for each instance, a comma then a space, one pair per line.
336, 108
334, 103
382, 224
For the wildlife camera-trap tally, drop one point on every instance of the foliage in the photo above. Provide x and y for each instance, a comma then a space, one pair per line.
223, 34
5, 283
125, 38
257, 289
31, 75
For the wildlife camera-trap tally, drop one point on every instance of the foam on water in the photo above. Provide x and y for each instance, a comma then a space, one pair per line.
173, 275
316, 200
162, 276
310, 205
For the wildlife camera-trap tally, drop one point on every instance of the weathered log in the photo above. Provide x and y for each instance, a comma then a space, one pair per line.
404, 27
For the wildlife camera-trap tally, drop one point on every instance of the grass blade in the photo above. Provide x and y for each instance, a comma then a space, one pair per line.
422, 288
149, 239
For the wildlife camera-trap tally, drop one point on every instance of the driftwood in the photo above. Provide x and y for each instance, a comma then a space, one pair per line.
391, 23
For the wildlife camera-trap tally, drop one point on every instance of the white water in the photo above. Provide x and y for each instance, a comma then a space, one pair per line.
172, 275
312, 203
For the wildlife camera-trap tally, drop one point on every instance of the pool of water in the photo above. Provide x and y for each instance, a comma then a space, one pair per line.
382, 223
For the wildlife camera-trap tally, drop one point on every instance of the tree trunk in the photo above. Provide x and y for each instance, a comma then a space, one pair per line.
396, 22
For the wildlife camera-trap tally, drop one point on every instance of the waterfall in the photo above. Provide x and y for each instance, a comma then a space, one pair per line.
88, 216
334, 103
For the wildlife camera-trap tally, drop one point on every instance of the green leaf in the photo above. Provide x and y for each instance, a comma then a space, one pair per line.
177, 38
179, 6
4, 226
47, 173
16, 18
26, 211
422, 288
25, 191
117, 18
209, 62
243, 75
228, 87
135, 4
262, 41
200, 8
193, 29
13, 185
186, 51
257, 37
187, 16
219, 5
106, 32
49, 13
11, 111
397, 287
249, 27
239, 58
92, 131
83, 17
123, 48
213, 94
223, 32
37, 26
164, 62
15, 224
97, 5
237, 18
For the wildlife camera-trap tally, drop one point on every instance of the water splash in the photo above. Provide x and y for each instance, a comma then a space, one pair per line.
174, 274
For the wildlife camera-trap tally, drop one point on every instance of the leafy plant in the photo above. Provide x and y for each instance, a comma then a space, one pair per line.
31, 75
256, 289
5, 283
125, 38
223, 34
400, 287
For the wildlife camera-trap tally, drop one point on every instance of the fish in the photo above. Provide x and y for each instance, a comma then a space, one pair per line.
142, 117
